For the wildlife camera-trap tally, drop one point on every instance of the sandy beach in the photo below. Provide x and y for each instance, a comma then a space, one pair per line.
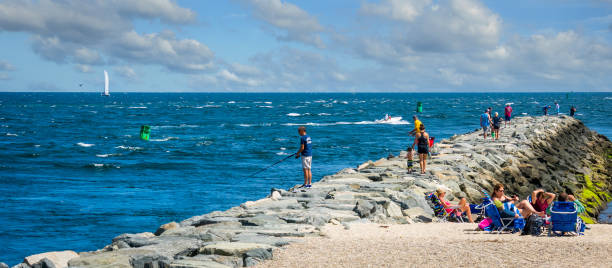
443, 245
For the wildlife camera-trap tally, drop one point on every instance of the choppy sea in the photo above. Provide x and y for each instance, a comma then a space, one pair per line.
74, 172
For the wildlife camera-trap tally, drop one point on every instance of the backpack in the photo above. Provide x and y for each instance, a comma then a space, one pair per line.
534, 226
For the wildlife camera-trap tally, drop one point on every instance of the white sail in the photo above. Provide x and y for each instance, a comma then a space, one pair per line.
106, 93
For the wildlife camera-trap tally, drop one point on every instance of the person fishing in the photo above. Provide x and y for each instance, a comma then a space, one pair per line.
305, 152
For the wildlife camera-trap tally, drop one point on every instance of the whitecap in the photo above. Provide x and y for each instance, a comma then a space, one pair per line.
344, 102
265, 106
608, 98
535, 102
211, 106
245, 125
131, 148
282, 153
98, 165
12, 134
103, 155
283, 148
137, 107
231, 102
524, 113
165, 139
293, 114
267, 102
319, 101
244, 107
82, 144
324, 114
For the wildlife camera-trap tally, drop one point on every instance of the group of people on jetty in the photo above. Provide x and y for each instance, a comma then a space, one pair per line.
538, 203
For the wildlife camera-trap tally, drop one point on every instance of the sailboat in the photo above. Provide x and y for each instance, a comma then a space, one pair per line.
106, 93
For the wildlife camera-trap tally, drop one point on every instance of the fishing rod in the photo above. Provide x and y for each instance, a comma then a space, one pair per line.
263, 169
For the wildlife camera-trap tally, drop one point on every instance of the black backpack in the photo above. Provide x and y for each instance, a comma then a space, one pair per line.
534, 225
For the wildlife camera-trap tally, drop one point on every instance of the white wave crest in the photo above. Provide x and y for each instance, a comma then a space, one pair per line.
137, 107
293, 114
131, 148
12, 134
82, 144
165, 139
393, 121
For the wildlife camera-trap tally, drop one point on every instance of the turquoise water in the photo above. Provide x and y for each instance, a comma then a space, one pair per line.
74, 173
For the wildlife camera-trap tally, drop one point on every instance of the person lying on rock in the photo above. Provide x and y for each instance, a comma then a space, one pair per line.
462, 207
524, 207
540, 200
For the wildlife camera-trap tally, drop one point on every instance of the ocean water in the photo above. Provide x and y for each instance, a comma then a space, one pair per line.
74, 173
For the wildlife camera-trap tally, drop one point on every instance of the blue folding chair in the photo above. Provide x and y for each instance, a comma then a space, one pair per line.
498, 223
564, 219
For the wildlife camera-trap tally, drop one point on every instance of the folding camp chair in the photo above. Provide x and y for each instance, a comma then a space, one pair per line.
498, 223
564, 219
439, 210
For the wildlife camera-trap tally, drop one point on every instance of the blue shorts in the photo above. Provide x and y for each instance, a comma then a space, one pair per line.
507, 117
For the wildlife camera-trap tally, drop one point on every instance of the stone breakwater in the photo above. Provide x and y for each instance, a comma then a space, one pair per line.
556, 153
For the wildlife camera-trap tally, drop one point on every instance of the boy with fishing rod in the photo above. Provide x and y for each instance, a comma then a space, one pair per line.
305, 152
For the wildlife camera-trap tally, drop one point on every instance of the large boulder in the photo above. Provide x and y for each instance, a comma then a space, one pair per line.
58, 258
232, 249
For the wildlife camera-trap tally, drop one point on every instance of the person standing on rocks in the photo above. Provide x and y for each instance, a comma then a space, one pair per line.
417, 126
422, 140
545, 109
496, 124
306, 153
572, 111
485, 123
557, 107
508, 114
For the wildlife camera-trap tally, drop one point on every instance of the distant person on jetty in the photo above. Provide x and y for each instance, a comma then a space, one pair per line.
572, 111
524, 207
557, 107
422, 140
462, 207
306, 153
417, 126
496, 124
507, 114
410, 161
540, 200
485, 123
545, 109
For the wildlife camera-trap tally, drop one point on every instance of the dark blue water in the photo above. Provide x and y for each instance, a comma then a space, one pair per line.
74, 173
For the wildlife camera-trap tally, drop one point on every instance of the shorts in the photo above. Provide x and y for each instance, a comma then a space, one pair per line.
423, 150
486, 128
410, 163
306, 162
507, 117
495, 127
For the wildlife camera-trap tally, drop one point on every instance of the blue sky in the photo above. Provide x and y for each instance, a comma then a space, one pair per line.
306, 46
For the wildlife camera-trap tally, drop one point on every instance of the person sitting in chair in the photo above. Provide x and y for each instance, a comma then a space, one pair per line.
462, 207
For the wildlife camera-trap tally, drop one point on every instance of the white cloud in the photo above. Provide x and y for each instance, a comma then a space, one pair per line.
126, 72
83, 68
294, 23
403, 10
98, 32
6, 66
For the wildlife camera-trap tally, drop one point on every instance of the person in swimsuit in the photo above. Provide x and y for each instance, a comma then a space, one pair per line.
524, 207
496, 124
422, 140
540, 200
462, 207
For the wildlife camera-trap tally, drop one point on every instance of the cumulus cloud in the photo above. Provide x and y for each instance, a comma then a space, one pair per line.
126, 72
292, 22
5, 66
402, 10
282, 69
74, 31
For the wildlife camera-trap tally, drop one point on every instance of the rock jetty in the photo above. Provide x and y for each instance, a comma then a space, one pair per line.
554, 153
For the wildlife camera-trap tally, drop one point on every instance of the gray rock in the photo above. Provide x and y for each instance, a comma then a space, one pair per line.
3, 265
166, 227
364, 208
44, 263
21, 265
261, 220
232, 249
255, 256
136, 240
196, 263
56, 258
261, 239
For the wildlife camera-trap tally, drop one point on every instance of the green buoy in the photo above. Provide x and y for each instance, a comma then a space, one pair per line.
144, 132
419, 107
